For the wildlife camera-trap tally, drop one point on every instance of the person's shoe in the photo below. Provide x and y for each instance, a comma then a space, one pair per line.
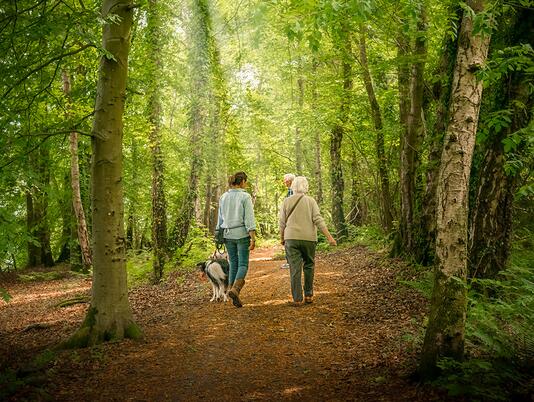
234, 292
285, 266
308, 299
295, 303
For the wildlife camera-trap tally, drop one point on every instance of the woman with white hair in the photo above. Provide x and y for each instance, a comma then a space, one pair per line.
299, 219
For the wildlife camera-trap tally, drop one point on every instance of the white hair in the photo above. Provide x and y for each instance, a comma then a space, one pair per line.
300, 185
289, 177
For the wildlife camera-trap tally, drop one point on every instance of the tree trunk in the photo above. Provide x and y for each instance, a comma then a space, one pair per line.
44, 229
159, 205
34, 253
298, 137
77, 205
442, 94
317, 144
202, 56
491, 222
491, 217
336, 168
109, 316
411, 117
338, 186
385, 198
37, 209
67, 222
355, 214
134, 232
444, 336
83, 234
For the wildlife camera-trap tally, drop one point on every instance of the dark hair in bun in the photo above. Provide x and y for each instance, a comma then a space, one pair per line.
237, 178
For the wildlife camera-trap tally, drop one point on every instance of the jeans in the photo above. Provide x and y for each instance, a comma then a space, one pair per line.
238, 253
301, 256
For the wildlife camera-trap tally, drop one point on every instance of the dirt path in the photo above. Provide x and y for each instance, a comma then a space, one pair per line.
350, 344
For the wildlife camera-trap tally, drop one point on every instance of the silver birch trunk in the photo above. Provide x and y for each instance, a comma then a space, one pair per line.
446, 328
77, 205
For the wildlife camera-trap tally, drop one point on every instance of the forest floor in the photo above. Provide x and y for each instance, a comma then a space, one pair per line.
355, 342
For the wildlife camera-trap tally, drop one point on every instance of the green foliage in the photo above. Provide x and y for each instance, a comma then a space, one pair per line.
4, 295
505, 61
139, 267
499, 341
479, 379
46, 276
9, 383
424, 282
371, 235
44, 358
198, 247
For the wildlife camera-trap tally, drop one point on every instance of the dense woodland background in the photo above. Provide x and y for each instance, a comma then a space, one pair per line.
412, 120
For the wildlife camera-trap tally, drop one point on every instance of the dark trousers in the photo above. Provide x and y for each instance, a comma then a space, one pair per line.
301, 256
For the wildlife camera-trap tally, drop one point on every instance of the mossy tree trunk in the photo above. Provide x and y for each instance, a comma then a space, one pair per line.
298, 134
200, 112
491, 220
219, 121
336, 139
411, 84
385, 195
444, 335
39, 248
159, 204
355, 214
67, 222
109, 316
317, 145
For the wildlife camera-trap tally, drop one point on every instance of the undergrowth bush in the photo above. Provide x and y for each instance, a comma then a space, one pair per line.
369, 235
499, 340
198, 247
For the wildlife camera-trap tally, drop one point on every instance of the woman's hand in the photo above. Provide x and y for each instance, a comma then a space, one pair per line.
332, 241
252, 244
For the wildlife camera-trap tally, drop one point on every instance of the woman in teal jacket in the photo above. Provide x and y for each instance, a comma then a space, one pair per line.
236, 218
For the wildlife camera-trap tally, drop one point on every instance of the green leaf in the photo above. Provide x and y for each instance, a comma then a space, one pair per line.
4, 295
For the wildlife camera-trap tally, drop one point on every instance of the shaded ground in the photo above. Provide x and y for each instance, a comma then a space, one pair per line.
354, 343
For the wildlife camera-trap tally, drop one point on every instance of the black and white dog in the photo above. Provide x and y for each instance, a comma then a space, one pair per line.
217, 272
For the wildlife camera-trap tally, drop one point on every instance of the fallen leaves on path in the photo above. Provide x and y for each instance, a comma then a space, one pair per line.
354, 343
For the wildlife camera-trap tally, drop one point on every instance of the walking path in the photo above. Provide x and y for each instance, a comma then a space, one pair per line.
354, 343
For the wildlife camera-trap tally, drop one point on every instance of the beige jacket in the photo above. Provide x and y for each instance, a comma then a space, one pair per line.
304, 220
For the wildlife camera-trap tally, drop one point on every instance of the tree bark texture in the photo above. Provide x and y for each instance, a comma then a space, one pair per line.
299, 154
385, 196
336, 138
317, 147
199, 113
159, 204
34, 253
355, 214
83, 233
441, 94
411, 116
67, 223
40, 250
109, 316
444, 336
77, 205
491, 217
